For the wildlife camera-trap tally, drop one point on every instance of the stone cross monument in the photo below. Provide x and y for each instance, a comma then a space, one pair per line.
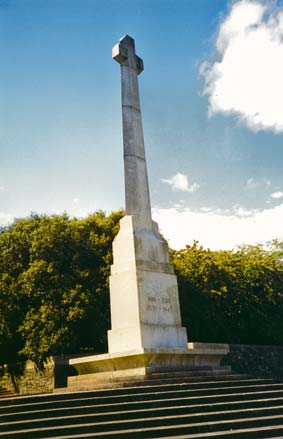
146, 334
145, 309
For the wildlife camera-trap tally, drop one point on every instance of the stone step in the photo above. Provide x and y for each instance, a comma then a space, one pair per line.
90, 382
166, 409
242, 433
84, 384
188, 396
145, 432
139, 411
96, 380
261, 385
245, 433
142, 383
192, 372
147, 420
135, 389
228, 380
176, 402
145, 389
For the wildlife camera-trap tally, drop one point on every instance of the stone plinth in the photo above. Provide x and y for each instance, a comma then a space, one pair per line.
139, 364
144, 300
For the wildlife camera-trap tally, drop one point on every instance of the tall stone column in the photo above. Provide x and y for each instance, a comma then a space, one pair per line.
145, 310
136, 181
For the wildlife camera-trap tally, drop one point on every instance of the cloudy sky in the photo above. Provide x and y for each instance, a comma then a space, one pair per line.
212, 102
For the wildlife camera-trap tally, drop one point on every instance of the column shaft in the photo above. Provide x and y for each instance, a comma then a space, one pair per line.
135, 169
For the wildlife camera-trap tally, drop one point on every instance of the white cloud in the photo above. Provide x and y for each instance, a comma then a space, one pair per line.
180, 182
246, 80
219, 229
3, 189
277, 195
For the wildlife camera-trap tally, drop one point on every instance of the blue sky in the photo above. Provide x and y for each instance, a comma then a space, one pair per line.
211, 96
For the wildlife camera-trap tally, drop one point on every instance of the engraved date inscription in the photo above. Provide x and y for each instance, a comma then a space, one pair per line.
160, 304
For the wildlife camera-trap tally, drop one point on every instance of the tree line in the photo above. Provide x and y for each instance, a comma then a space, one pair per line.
54, 291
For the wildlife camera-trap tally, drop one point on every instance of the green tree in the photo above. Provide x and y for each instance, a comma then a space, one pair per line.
231, 296
54, 285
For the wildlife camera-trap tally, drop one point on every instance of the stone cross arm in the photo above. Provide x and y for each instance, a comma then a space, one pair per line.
124, 54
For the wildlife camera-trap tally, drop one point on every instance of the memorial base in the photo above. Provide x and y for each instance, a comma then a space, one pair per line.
142, 364
144, 302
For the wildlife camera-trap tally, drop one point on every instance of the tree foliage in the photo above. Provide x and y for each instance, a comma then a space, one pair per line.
54, 285
231, 296
54, 288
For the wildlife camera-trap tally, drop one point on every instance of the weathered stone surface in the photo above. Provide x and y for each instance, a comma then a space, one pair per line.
141, 363
136, 180
144, 298
27, 379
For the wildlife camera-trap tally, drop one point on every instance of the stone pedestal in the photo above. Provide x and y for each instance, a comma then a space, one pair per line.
143, 364
144, 301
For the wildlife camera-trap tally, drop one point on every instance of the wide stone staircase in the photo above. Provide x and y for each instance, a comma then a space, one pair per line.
196, 404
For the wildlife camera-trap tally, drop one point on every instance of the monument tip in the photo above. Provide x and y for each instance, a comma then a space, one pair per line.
127, 38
